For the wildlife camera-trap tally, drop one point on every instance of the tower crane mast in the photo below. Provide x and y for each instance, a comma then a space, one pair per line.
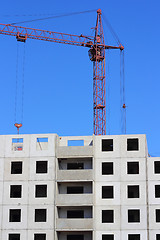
96, 45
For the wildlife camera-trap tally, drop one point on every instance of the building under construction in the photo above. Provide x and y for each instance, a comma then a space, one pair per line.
78, 188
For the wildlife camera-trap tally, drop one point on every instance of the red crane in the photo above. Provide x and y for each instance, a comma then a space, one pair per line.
97, 47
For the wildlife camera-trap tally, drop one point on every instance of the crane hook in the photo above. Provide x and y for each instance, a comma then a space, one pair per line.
18, 125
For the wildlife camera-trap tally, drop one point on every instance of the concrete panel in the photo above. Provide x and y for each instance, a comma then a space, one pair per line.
124, 218
151, 173
143, 234
23, 234
63, 152
75, 175
49, 234
74, 199
15, 225
76, 224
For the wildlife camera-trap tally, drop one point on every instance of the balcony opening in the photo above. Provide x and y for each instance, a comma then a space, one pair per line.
133, 236
107, 237
15, 191
75, 190
107, 145
134, 216
133, 191
16, 167
75, 214
157, 236
14, 236
132, 144
17, 144
75, 165
107, 168
75, 237
107, 216
132, 167
40, 215
40, 191
107, 192
14, 215
75, 143
157, 167
39, 236
42, 144
41, 167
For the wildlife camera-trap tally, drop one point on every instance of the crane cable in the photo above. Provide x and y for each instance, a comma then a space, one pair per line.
108, 92
122, 94
18, 125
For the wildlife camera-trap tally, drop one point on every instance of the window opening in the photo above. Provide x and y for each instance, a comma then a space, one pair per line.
17, 144
40, 215
133, 191
107, 192
41, 166
134, 215
157, 167
40, 191
15, 215
16, 167
77, 143
107, 168
107, 237
71, 166
132, 167
42, 143
15, 191
133, 236
132, 144
157, 215
107, 145
75, 237
14, 236
157, 236
157, 191
107, 216
75, 214
39, 236
75, 190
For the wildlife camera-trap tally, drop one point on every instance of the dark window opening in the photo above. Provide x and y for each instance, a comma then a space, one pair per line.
132, 144
41, 166
157, 215
133, 215
75, 190
133, 236
39, 236
15, 215
157, 236
40, 215
16, 167
107, 216
157, 167
75, 237
107, 191
107, 237
133, 191
107, 168
15, 191
133, 167
107, 145
75, 214
71, 166
157, 191
41, 191
14, 236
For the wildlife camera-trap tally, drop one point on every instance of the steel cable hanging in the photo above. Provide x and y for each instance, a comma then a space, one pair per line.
122, 94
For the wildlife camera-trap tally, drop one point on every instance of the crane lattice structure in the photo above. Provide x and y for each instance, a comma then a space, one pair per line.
97, 49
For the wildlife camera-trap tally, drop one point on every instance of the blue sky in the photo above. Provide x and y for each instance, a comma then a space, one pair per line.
58, 91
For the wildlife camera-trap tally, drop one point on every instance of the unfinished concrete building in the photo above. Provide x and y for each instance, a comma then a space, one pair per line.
78, 188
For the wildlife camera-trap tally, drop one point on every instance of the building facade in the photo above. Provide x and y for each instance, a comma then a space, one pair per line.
78, 188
